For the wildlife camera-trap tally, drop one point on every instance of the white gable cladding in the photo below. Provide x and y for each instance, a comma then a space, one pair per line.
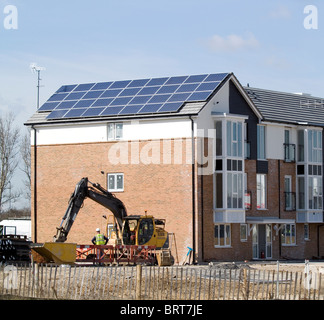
97, 132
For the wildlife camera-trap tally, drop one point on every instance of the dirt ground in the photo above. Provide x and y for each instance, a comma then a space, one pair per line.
290, 266
287, 266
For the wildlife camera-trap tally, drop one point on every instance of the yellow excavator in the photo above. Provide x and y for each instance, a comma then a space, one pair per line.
137, 230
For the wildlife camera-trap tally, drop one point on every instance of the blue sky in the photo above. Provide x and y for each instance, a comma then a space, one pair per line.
264, 43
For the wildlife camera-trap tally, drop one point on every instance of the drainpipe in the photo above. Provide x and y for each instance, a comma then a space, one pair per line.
279, 191
35, 184
202, 215
193, 192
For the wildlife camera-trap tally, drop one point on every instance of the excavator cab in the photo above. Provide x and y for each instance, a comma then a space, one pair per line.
144, 230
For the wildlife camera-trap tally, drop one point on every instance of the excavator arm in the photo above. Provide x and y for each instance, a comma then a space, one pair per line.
86, 189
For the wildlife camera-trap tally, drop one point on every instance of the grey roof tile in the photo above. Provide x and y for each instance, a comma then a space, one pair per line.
287, 107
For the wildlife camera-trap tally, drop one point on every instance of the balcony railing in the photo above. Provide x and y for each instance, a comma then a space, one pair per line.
290, 152
290, 201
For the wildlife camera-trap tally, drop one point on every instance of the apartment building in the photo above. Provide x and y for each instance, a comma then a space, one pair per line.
235, 171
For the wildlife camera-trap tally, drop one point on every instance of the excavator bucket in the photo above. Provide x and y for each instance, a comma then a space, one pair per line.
57, 252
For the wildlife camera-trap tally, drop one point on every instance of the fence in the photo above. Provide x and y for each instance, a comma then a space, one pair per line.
159, 283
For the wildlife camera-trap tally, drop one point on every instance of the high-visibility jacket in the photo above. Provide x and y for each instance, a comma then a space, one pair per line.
100, 239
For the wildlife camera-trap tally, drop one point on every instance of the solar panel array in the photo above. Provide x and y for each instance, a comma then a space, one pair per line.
129, 97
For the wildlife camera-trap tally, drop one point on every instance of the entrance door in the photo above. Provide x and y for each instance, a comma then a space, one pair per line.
261, 241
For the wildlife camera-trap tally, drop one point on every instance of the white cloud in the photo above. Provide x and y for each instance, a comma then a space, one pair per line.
231, 43
277, 62
281, 12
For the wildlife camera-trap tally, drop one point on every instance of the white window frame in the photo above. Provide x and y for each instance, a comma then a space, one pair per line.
227, 235
314, 139
315, 192
243, 232
288, 240
261, 142
262, 192
115, 131
115, 189
235, 189
234, 137
288, 189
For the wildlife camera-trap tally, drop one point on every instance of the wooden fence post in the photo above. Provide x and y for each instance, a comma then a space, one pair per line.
138, 281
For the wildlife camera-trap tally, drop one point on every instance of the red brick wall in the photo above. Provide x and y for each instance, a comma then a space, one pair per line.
164, 190
242, 250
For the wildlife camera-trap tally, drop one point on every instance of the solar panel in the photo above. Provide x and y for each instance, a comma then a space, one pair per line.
92, 112
111, 93
48, 106
131, 109
66, 105
68, 88
168, 89
74, 113
83, 87
101, 85
150, 108
127, 97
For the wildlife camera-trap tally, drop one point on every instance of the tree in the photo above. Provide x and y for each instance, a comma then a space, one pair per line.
9, 149
26, 162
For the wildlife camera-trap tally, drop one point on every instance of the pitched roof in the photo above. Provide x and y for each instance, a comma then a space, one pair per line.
141, 98
288, 107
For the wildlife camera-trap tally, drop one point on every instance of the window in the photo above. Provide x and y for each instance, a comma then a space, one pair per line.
315, 146
247, 145
115, 182
222, 234
301, 143
288, 234
289, 195
219, 190
261, 191
243, 232
219, 138
115, 131
261, 142
301, 192
6, 230
145, 231
234, 138
315, 195
306, 231
289, 149
234, 190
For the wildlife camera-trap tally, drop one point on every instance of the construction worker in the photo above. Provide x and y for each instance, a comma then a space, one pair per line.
99, 238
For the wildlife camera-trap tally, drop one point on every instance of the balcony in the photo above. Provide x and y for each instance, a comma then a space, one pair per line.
290, 152
290, 201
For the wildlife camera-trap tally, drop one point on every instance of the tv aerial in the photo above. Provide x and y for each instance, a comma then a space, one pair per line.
36, 69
